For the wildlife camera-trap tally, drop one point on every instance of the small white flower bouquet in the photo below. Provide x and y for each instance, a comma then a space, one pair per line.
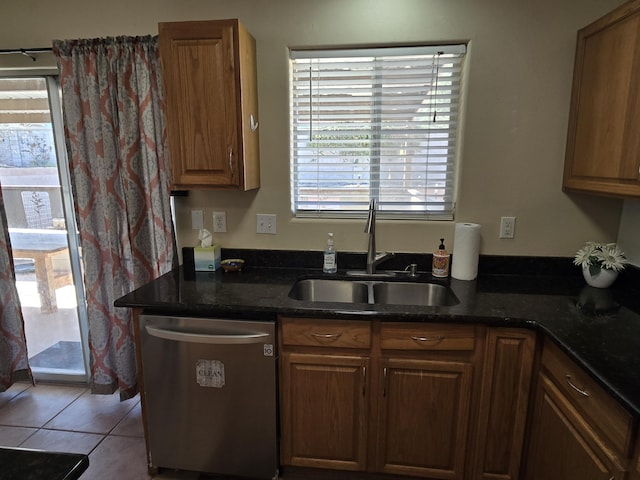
600, 256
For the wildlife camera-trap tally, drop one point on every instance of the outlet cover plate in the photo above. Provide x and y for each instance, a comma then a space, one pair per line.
219, 222
507, 227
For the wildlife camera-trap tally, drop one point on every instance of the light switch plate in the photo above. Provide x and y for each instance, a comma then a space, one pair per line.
197, 220
266, 223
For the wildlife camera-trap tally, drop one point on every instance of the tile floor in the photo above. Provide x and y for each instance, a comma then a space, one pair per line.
70, 419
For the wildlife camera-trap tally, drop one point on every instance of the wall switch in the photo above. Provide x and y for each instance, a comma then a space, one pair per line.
197, 220
266, 223
219, 222
507, 227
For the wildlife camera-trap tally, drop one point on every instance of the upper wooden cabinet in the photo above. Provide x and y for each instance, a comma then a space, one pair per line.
603, 145
209, 75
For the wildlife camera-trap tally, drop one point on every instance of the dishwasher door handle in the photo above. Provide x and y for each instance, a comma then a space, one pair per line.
206, 338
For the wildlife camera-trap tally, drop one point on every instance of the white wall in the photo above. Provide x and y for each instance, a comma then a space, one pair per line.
629, 233
516, 103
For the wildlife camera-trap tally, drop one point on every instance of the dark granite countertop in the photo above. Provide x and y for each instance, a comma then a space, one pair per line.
606, 342
25, 464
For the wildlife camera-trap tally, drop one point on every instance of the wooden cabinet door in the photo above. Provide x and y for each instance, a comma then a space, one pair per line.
504, 403
603, 146
635, 463
563, 446
424, 417
324, 410
207, 98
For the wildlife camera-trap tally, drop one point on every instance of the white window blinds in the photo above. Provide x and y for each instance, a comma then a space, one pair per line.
375, 123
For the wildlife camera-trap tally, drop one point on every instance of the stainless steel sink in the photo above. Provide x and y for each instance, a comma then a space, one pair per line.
409, 293
373, 292
324, 290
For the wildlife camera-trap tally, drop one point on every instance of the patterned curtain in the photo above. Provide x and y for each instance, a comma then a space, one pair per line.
116, 142
14, 363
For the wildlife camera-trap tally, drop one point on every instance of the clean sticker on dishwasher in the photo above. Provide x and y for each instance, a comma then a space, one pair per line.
268, 349
210, 373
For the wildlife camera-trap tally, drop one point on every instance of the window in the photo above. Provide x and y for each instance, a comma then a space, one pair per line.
375, 124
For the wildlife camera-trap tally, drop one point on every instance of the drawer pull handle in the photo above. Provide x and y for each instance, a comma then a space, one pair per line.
577, 389
364, 380
327, 336
439, 338
384, 389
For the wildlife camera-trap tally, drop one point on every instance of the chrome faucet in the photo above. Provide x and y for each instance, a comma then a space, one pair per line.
373, 258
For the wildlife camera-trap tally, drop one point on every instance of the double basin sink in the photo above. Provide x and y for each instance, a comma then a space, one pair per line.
373, 292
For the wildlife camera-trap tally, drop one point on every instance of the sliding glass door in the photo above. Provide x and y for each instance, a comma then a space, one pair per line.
37, 194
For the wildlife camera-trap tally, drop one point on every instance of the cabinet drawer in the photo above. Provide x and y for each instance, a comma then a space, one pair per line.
411, 336
602, 411
326, 333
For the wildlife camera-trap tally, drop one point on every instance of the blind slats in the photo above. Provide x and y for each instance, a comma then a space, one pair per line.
380, 123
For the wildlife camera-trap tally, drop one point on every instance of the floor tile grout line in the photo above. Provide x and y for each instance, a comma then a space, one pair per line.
24, 392
71, 402
65, 407
32, 434
104, 436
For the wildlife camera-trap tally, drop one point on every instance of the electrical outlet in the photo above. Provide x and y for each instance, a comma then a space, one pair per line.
197, 220
219, 222
507, 227
266, 223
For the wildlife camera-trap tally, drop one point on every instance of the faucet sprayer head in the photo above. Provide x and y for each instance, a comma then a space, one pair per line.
371, 219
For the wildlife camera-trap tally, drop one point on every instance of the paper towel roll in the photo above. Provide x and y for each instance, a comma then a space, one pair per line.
466, 250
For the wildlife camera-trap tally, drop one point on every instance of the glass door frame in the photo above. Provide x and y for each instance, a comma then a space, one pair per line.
73, 239
49, 75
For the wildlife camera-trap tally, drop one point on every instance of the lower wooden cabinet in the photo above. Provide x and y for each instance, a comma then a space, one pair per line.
563, 446
379, 397
324, 382
504, 403
578, 432
635, 463
324, 410
444, 401
425, 397
424, 419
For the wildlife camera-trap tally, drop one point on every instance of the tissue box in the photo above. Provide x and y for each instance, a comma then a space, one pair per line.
207, 259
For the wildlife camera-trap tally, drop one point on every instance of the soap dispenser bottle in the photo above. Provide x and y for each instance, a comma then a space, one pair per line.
440, 266
330, 264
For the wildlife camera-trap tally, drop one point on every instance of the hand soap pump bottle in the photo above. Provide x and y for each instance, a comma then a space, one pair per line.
330, 264
440, 266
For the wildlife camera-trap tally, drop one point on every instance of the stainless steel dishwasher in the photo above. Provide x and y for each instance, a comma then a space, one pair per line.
210, 394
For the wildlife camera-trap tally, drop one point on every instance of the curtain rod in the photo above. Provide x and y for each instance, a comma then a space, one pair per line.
25, 51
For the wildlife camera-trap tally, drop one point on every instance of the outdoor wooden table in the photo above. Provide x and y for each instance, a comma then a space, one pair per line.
42, 246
